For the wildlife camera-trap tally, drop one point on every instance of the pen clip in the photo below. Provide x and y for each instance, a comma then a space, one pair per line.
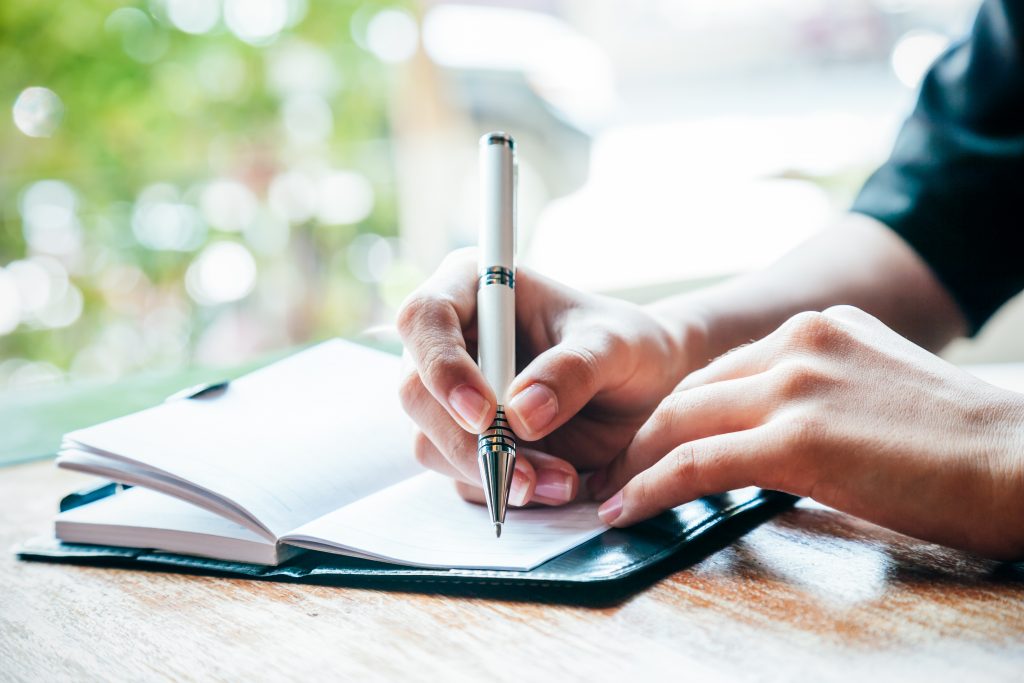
205, 390
91, 495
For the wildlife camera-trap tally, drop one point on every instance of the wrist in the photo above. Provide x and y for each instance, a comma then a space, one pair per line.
1012, 495
685, 337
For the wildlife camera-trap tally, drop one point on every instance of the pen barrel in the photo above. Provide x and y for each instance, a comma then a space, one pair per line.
496, 318
497, 201
496, 313
496, 304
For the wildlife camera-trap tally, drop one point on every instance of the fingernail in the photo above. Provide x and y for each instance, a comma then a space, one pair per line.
611, 509
471, 406
520, 487
597, 482
536, 406
554, 485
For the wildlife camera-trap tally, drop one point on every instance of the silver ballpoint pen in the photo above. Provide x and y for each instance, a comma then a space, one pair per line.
496, 306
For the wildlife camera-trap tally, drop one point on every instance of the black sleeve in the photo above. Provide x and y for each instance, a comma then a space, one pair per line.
954, 184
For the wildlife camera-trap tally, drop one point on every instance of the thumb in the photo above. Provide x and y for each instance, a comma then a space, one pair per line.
560, 381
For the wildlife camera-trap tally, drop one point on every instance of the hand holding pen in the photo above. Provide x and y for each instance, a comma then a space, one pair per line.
594, 369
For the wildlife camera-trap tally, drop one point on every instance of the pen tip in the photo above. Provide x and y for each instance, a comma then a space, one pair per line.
497, 529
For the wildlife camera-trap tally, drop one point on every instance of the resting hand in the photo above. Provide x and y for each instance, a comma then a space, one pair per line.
838, 407
593, 370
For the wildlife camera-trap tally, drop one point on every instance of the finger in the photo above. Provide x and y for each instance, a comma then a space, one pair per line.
428, 455
456, 445
563, 379
446, 448
742, 361
523, 478
475, 494
557, 480
430, 322
684, 416
691, 470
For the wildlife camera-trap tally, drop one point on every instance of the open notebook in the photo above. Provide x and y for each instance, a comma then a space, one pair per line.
311, 452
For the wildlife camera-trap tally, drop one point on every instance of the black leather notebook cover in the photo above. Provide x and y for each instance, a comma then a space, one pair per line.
681, 536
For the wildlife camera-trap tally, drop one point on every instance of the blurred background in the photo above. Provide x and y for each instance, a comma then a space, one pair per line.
204, 182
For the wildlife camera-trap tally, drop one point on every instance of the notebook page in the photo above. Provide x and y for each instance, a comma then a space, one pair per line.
288, 443
423, 522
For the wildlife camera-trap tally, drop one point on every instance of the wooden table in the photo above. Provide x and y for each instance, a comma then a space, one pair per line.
814, 595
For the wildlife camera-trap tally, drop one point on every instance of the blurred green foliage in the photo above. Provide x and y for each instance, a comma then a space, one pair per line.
145, 103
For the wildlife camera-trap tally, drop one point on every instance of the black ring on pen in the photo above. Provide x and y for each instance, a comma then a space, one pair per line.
498, 275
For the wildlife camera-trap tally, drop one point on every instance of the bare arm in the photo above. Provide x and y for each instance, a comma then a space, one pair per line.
859, 262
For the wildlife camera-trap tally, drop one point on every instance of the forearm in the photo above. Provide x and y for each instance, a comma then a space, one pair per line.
859, 262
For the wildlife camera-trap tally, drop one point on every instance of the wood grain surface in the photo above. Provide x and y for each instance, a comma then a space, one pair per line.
813, 595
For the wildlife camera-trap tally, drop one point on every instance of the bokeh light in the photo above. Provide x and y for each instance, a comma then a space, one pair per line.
222, 75
392, 35
293, 196
23, 374
10, 303
38, 112
256, 21
61, 311
307, 118
268, 233
193, 16
33, 284
297, 67
162, 221
49, 217
345, 197
141, 38
370, 257
223, 272
228, 205
914, 53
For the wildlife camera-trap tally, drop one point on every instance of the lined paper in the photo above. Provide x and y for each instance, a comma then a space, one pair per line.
423, 522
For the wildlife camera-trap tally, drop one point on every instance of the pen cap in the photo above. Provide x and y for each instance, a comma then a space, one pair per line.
497, 201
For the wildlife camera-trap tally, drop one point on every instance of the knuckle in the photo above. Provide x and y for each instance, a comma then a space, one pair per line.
643, 491
422, 449
409, 390
581, 365
685, 463
423, 315
666, 417
845, 312
415, 310
813, 331
675, 407
439, 361
805, 430
799, 379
